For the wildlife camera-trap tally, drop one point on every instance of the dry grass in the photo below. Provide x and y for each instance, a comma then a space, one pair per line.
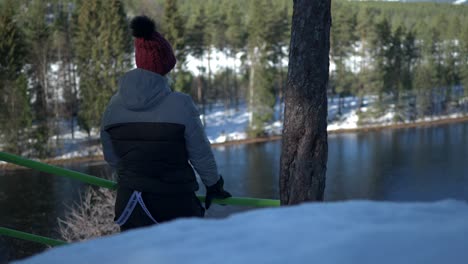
92, 217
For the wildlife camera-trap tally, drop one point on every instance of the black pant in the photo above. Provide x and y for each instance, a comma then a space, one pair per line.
163, 207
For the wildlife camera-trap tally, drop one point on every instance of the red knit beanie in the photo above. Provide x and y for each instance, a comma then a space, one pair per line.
152, 51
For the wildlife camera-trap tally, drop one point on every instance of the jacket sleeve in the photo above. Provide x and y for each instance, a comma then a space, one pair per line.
198, 147
107, 150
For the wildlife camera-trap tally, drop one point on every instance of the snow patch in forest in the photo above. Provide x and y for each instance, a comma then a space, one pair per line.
348, 121
217, 59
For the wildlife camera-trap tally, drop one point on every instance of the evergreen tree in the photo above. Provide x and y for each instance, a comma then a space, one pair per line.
380, 45
236, 38
174, 30
424, 81
103, 46
38, 31
261, 96
196, 32
280, 42
431, 50
216, 25
365, 22
197, 45
395, 70
410, 59
215, 33
304, 146
15, 117
452, 60
464, 61
411, 55
342, 39
64, 57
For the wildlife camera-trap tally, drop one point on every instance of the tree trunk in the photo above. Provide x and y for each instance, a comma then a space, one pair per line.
304, 146
251, 88
201, 97
340, 104
281, 89
227, 93
75, 104
236, 89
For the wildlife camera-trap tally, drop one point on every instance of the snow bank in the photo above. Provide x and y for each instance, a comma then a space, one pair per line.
348, 121
346, 232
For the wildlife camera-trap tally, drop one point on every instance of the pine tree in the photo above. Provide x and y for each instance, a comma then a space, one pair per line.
15, 117
395, 69
261, 98
236, 38
464, 61
174, 31
452, 60
411, 55
103, 46
64, 57
380, 51
431, 50
38, 29
365, 22
410, 58
214, 37
424, 82
342, 40
197, 43
304, 146
281, 29
216, 24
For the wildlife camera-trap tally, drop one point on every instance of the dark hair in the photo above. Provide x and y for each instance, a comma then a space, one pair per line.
142, 27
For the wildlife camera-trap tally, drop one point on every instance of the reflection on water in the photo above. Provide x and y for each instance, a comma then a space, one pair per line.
254, 174
32, 202
414, 164
417, 164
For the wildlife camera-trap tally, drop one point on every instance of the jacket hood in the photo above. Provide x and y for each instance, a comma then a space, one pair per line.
141, 89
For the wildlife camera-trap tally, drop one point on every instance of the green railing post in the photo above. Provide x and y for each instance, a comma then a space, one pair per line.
30, 237
241, 201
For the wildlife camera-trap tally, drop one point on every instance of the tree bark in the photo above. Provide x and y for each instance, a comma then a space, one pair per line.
253, 62
304, 145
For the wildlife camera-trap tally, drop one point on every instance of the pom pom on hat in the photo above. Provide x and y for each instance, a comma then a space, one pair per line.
142, 27
152, 51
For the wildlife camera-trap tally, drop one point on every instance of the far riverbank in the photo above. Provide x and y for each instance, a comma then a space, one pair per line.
434, 122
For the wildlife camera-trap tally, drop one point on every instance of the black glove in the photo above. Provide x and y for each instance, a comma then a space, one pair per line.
216, 191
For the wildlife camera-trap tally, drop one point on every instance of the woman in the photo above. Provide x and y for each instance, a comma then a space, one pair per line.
150, 134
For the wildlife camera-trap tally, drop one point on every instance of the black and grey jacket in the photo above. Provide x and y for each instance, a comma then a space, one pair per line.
150, 134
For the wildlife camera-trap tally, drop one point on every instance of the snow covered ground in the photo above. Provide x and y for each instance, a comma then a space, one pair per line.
346, 232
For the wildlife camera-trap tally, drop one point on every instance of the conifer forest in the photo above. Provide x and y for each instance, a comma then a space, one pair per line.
60, 60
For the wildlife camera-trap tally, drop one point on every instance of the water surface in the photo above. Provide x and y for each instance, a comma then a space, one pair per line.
412, 164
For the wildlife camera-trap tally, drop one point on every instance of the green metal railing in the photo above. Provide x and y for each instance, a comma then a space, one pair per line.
39, 166
30, 237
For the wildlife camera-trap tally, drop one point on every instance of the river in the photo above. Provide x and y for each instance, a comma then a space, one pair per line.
412, 164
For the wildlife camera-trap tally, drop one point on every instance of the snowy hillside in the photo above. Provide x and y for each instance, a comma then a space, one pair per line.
346, 232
